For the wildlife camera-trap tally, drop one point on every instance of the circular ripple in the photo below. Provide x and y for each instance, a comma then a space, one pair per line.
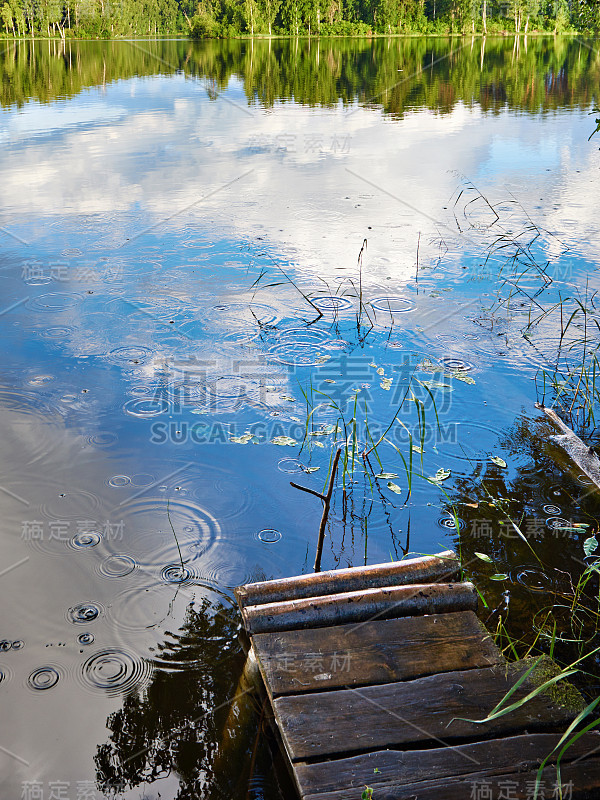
269, 536
131, 355
72, 504
393, 305
19, 644
557, 523
146, 408
449, 523
290, 465
5, 646
115, 672
331, 303
175, 573
117, 566
552, 510
103, 439
142, 479
83, 613
456, 364
86, 638
533, 579
85, 539
54, 302
119, 480
43, 678
58, 331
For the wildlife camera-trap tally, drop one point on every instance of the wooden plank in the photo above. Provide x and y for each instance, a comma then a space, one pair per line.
380, 651
392, 602
579, 782
583, 456
332, 779
426, 569
424, 710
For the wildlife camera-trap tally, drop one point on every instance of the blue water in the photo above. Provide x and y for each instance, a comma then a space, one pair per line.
164, 257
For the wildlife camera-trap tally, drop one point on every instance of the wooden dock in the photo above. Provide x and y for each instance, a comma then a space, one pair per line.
377, 677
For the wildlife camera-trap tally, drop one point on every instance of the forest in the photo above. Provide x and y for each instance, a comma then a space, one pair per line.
231, 18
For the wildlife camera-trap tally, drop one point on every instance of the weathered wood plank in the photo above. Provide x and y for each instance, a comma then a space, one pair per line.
380, 651
426, 569
580, 453
332, 779
579, 782
400, 714
386, 603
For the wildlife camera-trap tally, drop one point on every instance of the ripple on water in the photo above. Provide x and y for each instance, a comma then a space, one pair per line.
532, 578
137, 354
392, 305
76, 504
456, 364
115, 672
290, 465
118, 481
450, 524
146, 408
58, 331
86, 638
54, 302
118, 565
83, 613
237, 316
331, 304
85, 539
269, 536
45, 677
103, 439
150, 539
552, 510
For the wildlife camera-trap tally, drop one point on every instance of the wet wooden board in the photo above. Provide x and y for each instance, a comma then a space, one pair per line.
370, 604
425, 569
330, 780
382, 651
579, 781
402, 714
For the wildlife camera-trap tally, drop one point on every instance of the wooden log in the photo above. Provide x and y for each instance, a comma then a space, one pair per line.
381, 651
580, 781
443, 566
584, 457
388, 603
435, 709
329, 780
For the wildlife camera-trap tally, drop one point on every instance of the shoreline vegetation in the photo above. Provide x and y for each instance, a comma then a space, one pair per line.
224, 19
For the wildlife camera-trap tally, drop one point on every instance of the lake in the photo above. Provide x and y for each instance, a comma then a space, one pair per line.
222, 261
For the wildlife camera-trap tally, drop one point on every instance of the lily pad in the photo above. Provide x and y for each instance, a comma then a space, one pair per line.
284, 440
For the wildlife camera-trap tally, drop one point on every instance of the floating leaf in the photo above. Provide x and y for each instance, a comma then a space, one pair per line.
241, 439
460, 376
372, 364
311, 469
380, 371
328, 380
288, 397
436, 385
295, 419
499, 576
386, 384
322, 359
417, 449
393, 487
483, 557
284, 440
386, 475
318, 444
590, 545
441, 475
499, 461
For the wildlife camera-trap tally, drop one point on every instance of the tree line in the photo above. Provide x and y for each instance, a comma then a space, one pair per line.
230, 18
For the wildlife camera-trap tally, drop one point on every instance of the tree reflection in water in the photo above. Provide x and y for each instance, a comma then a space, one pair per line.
185, 723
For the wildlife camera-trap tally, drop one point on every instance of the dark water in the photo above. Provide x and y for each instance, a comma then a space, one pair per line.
173, 218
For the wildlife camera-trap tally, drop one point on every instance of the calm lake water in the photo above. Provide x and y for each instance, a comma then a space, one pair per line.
174, 219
